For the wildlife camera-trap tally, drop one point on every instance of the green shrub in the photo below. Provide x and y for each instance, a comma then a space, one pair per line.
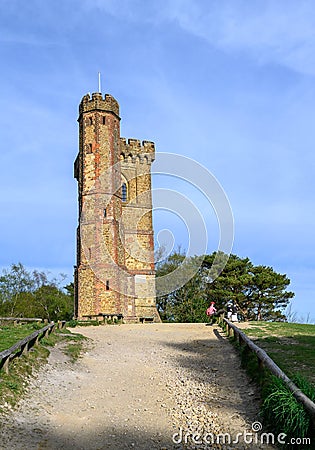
306, 387
86, 323
283, 412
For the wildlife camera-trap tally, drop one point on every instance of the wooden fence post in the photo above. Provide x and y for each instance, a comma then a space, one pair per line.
24, 349
261, 365
6, 365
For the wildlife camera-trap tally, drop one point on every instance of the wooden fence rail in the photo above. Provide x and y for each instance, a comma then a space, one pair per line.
23, 346
265, 361
20, 319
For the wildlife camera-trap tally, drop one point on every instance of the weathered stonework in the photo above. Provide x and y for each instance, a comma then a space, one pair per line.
115, 272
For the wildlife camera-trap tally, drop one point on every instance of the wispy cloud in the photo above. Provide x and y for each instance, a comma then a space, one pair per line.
134, 10
281, 32
18, 38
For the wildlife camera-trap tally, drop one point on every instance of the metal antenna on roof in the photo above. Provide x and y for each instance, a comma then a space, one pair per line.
99, 82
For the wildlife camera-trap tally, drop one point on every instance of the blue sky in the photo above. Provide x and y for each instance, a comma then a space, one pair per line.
230, 84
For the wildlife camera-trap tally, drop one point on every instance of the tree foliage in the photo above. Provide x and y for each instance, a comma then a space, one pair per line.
258, 291
189, 301
26, 293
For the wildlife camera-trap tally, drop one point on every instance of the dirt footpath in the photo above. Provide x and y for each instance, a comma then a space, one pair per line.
151, 386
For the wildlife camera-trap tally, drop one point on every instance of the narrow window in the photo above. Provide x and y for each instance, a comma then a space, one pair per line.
105, 212
104, 120
91, 121
107, 285
124, 192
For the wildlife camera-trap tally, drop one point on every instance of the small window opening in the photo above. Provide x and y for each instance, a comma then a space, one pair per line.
91, 121
107, 285
104, 213
124, 192
104, 120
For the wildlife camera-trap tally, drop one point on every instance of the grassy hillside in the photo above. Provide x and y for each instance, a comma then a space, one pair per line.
10, 334
290, 345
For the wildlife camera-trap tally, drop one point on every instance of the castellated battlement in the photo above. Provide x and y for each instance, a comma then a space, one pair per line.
98, 102
133, 148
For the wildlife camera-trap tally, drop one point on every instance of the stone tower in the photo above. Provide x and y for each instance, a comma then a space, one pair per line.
114, 275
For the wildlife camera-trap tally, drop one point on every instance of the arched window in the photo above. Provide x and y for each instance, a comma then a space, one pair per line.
124, 192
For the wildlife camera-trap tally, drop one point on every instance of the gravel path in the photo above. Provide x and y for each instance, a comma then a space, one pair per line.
136, 387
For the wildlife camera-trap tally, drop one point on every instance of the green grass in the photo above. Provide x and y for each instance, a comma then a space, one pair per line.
87, 323
13, 384
72, 344
10, 334
74, 350
290, 345
281, 409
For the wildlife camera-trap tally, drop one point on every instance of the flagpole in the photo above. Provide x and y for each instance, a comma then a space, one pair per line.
99, 82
